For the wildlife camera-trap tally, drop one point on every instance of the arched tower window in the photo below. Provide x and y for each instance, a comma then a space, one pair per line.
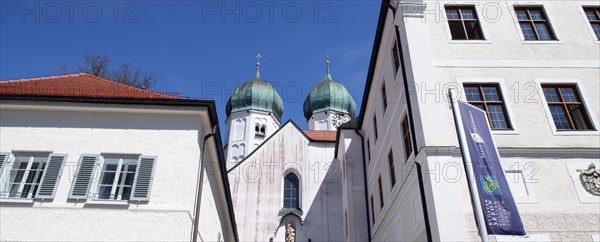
291, 191
259, 130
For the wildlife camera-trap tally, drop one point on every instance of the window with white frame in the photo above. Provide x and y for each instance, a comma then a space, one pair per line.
593, 15
116, 177
488, 98
24, 176
567, 107
464, 23
534, 23
29, 175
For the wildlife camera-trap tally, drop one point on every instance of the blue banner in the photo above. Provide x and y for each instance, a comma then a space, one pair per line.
499, 208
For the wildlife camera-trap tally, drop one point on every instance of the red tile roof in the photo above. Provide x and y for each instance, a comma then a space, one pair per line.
327, 136
80, 85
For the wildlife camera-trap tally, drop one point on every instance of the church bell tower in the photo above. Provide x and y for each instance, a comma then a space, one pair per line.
254, 113
329, 104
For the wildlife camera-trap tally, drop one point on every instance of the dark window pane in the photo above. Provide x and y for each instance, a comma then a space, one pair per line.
467, 13
473, 30
522, 14
104, 192
108, 178
536, 14
472, 93
596, 27
559, 117
591, 15
396, 56
132, 168
543, 31
568, 94
129, 179
579, 117
110, 167
551, 94
527, 31
480, 106
497, 116
291, 191
452, 13
457, 30
126, 193
491, 94
392, 169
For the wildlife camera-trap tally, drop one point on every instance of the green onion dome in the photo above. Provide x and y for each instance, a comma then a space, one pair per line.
255, 94
329, 94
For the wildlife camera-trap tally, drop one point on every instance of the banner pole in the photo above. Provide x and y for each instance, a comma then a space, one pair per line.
460, 132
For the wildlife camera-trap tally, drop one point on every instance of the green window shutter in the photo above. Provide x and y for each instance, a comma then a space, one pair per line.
51, 176
143, 179
3, 160
83, 177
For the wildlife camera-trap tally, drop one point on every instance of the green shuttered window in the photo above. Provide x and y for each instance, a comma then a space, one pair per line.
30, 175
113, 177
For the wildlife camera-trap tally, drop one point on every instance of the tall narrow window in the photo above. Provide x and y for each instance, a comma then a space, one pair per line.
291, 191
534, 23
487, 97
463, 23
116, 178
384, 96
24, 177
392, 170
375, 127
593, 15
396, 56
380, 192
369, 149
346, 216
372, 209
407, 138
566, 107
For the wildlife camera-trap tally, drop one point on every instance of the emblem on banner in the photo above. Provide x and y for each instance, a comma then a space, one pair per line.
477, 138
490, 185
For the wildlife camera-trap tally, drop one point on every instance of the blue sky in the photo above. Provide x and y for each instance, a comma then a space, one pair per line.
202, 49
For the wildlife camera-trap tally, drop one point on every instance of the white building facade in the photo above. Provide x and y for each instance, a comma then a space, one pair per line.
533, 66
77, 166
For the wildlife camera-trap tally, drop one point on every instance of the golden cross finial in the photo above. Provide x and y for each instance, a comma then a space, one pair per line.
258, 57
258, 65
327, 62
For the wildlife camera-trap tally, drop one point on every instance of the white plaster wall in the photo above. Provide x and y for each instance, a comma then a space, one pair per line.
174, 139
434, 63
353, 186
257, 186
